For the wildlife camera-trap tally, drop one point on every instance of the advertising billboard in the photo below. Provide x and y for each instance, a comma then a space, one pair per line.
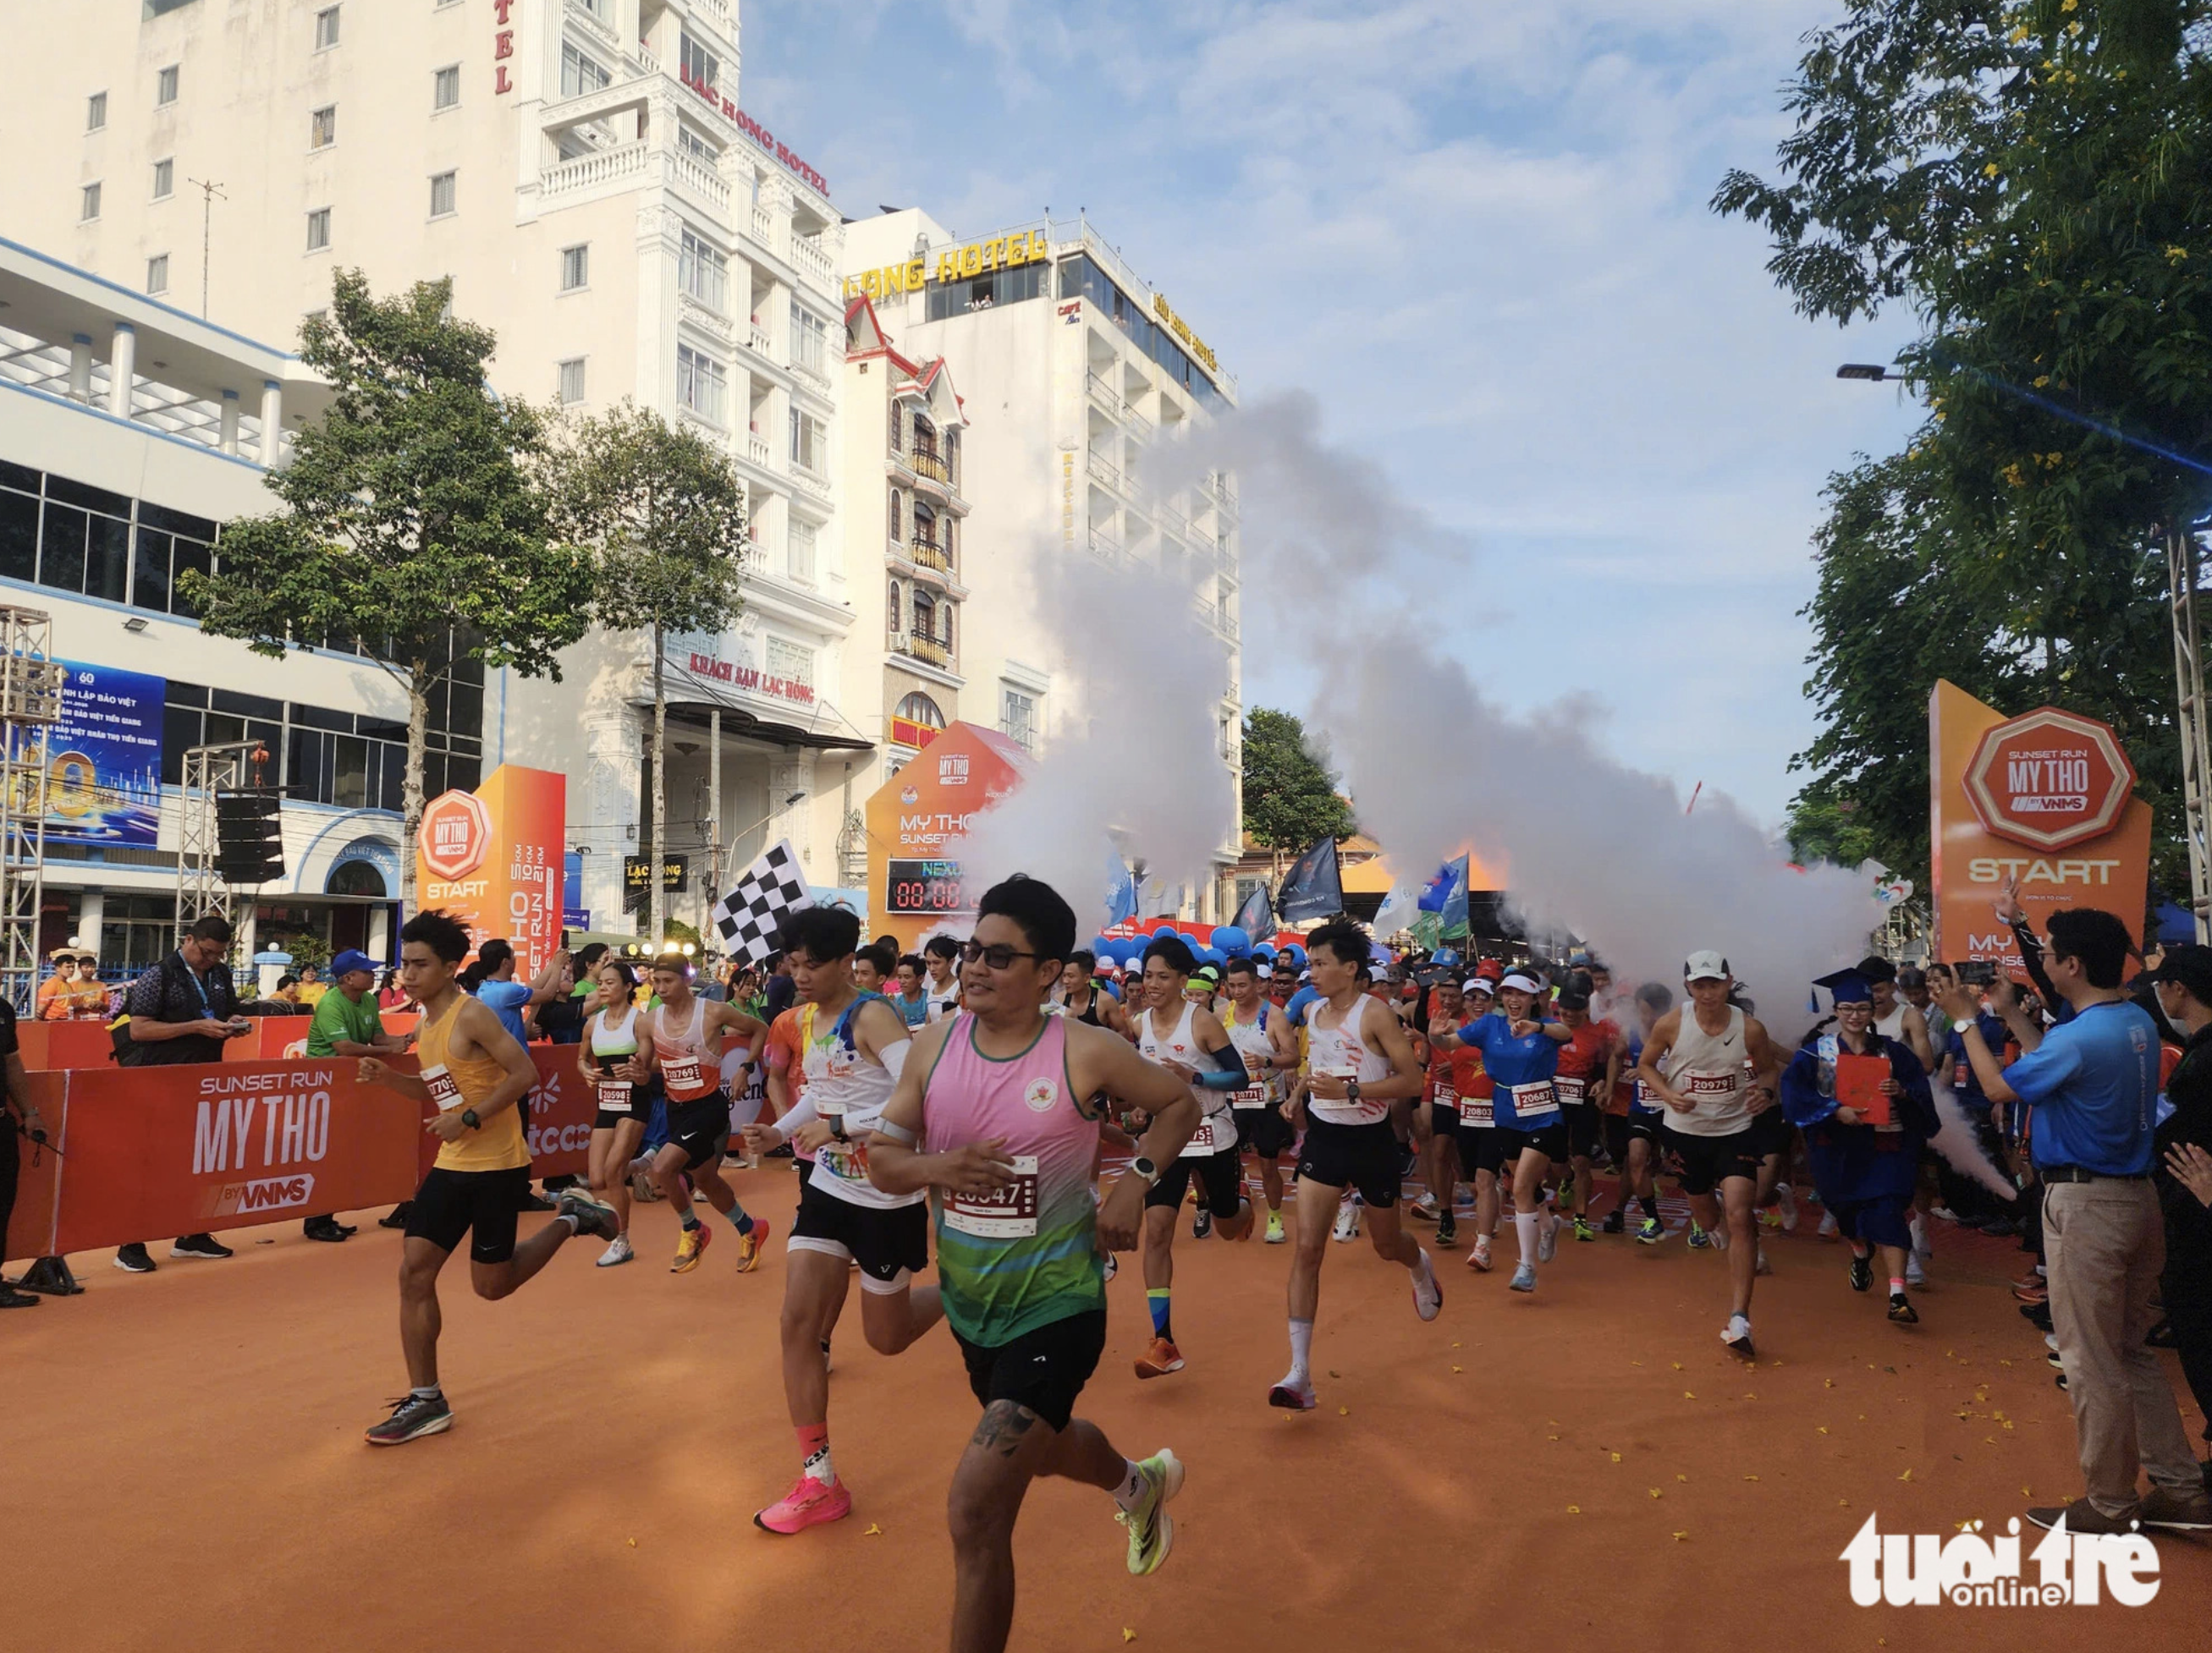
104, 758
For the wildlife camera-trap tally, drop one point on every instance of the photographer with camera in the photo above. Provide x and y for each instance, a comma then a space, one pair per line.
19, 1116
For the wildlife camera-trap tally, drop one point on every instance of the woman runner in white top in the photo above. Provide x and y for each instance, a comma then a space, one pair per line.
618, 1071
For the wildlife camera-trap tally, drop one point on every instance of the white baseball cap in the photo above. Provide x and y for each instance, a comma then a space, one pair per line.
1476, 985
1705, 966
1522, 983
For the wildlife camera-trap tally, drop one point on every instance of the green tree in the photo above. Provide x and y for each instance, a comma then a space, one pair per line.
1290, 799
2034, 180
411, 527
663, 516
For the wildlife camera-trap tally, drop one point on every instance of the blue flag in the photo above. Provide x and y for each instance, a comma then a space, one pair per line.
1121, 889
1454, 911
1312, 888
1256, 919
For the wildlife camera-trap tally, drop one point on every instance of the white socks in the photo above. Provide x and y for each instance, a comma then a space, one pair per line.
1524, 1225
1301, 1349
1131, 1492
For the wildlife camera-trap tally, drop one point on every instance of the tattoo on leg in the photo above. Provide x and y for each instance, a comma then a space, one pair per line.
1003, 1428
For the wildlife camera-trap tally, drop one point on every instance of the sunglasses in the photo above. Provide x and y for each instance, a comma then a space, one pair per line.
996, 956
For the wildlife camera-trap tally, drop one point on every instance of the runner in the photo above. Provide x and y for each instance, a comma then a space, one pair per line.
1188, 1041
854, 1047
1590, 1063
943, 991
617, 1070
1261, 1035
1521, 1054
1714, 1069
1865, 1155
1639, 1131
688, 1035
992, 1111
873, 967
1358, 1082
912, 999
1440, 1166
477, 1076
784, 1083
1477, 1146
1087, 1000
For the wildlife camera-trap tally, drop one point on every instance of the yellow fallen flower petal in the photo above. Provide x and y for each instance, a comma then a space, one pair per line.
1751, 1477
1344, 1412
632, 1542
1907, 1475
874, 1531
1616, 1457
1459, 1368
1823, 1428
1687, 1396
1679, 1537
1574, 1509
1127, 1634
1681, 1478
1654, 1492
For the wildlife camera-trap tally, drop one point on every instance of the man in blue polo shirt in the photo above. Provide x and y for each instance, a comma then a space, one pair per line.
2093, 1082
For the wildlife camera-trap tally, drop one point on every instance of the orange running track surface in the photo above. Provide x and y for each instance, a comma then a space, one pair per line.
184, 1466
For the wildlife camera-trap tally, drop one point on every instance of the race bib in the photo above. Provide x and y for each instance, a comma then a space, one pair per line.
1529, 1099
1478, 1111
1572, 1092
614, 1096
847, 1161
681, 1073
445, 1090
1008, 1213
1255, 1097
1644, 1099
1201, 1144
1695, 1084
1445, 1097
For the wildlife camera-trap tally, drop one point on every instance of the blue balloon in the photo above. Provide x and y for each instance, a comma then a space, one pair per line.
1263, 951
1163, 929
1231, 940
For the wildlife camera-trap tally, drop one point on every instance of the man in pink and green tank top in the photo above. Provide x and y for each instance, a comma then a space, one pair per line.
994, 1114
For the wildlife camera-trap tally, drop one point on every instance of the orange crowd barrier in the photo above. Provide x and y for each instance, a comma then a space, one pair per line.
49, 1044
148, 1153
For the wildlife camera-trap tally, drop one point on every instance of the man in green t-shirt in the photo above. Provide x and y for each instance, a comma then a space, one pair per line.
346, 1023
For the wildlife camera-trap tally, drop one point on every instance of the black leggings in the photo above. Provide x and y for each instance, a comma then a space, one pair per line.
11, 1160
2187, 1287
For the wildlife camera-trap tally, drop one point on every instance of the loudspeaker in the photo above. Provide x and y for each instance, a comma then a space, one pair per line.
248, 837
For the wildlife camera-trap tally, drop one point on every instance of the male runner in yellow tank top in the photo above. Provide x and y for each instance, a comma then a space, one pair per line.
478, 1076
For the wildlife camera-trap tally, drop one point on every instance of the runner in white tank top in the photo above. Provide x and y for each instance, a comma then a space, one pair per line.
611, 1062
1189, 1042
1262, 1033
689, 1034
1712, 1067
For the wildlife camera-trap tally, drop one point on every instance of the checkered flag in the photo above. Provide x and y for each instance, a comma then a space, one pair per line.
750, 916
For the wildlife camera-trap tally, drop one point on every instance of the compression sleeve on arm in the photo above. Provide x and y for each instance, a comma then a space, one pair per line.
1229, 1071
895, 1056
802, 1114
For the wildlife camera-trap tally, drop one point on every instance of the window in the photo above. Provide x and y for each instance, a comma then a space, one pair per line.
572, 380
88, 208
698, 65
445, 88
701, 383
318, 229
157, 273
165, 179
919, 708
165, 86
575, 268
323, 127
578, 73
326, 29
442, 194
703, 272
791, 663
799, 551
925, 615
689, 140
809, 449
810, 339
897, 516
1017, 719
95, 112
986, 292
896, 609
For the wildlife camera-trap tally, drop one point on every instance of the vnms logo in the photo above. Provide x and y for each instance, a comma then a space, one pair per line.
263, 1194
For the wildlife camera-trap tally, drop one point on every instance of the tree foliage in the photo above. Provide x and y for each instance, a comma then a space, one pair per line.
2035, 180
411, 525
1289, 798
662, 516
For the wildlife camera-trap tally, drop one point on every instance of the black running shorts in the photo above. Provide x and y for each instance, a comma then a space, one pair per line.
1220, 1180
1043, 1370
1708, 1161
1443, 1118
1481, 1148
885, 1242
1770, 1132
603, 1120
1616, 1139
1550, 1140
1365, 1157
485, 1203
700, 1127
1651, 1127
1584, 1130
1264, 1131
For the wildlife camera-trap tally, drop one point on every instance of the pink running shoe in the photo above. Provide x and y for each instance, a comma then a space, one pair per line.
808, 1503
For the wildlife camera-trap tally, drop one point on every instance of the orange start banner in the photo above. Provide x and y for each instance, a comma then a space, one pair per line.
2045, 801
493, 858
149, 1153
915, 818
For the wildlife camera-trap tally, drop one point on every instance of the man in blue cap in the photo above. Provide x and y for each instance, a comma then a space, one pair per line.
1866, 1167
346, 1023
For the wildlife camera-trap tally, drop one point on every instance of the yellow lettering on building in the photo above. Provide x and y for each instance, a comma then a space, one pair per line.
1182, 330
954, 264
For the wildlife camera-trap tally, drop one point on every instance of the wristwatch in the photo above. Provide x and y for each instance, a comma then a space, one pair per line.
837, 1127
1143, 1167
469, 1118
1962, 1026
1351, 1091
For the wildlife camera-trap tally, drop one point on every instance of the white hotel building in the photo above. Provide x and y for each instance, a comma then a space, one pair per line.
582, 172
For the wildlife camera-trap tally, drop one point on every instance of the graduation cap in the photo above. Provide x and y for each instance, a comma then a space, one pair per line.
1846, 986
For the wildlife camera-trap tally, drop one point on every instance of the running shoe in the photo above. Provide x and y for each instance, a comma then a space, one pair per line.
1737, 1335
591, 1217
2036, 1294
1202, 1223
1294, 1394
132, 1258
808, 1503
1547, 1238
1112, 1266
1914, 1274
1424, 1209
1901, 1311
2188, 1511
1428, 1290
200, 1245
1616, 1222
412, 1415
1768, 1219
1524, 1278
1943, 1214
1699, 1239
1652, 1231
1152, 1531
619, 1252
1786, 1196
1827, 1230
1446, 1231
397, 1217
1161, 1359
1275, 1234
2033, 1277
1862, 1272
1479, 1258
691, 1247
751, 1245
1761, 1266
1583, 1230
1347, 1222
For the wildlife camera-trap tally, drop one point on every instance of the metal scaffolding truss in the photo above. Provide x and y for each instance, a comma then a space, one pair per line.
2181, 574
207, 770
30, 704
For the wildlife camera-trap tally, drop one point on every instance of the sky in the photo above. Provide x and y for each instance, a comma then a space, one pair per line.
1478, 234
